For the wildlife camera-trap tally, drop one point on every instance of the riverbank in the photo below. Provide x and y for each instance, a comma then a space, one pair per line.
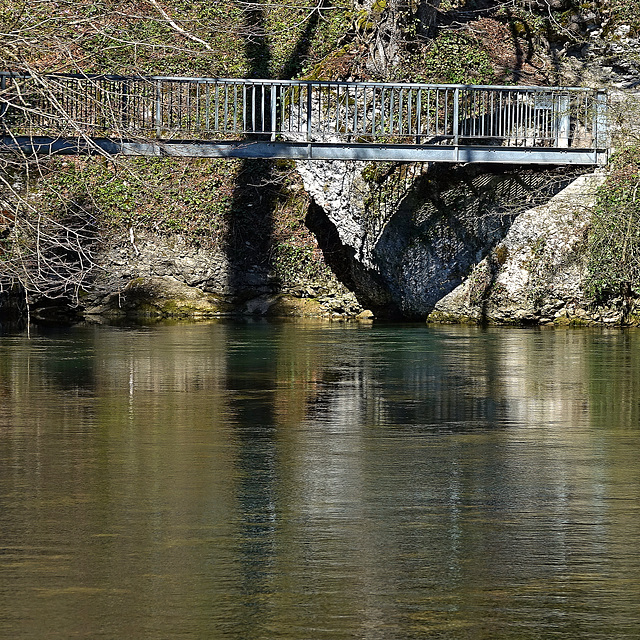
170, 237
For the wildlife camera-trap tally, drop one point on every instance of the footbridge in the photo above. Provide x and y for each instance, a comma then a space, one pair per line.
303, 120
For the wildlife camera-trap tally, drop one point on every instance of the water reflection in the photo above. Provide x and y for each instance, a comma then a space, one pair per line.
314, 480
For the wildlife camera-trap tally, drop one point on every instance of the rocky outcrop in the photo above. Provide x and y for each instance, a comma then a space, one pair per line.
406, 239
536, 273
610, 61
152, 276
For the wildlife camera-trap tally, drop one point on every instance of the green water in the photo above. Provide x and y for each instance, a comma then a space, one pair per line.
313, 480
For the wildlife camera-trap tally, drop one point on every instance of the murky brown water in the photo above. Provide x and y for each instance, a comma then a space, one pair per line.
307, 481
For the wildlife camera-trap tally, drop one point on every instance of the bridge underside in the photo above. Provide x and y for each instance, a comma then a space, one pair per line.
42, 145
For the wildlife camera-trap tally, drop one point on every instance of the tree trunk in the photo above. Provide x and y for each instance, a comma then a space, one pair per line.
391, 26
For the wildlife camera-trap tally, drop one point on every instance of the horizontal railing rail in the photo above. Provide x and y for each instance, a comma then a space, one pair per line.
174, 108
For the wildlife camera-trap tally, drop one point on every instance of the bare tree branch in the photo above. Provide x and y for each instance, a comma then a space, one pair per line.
176, 26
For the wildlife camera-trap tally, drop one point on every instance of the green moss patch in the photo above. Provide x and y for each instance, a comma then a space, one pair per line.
163, 195
453, 57
614, 238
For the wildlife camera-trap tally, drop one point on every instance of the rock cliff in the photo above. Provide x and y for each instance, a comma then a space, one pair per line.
536, 274
474, 243
410, 241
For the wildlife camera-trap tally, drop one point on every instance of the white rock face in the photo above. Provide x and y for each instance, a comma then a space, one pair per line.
411, 238
338, 188
536, 273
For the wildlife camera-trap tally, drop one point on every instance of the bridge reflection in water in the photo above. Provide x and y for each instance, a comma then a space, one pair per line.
208, 117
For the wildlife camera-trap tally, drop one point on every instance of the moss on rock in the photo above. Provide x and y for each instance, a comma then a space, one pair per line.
163, 298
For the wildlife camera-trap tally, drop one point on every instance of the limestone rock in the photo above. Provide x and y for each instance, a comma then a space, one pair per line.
409, 238
163, 296
535, 274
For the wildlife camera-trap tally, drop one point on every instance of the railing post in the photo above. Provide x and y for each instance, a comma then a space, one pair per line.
418, 115
158, 113
273, 112
124, 105
245, 120
600, 124
563, 121
456, 121
309, 106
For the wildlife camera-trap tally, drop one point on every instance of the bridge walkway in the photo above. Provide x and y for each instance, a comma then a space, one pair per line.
210, 117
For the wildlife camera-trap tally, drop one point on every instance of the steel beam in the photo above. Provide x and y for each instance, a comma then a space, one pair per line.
304, 151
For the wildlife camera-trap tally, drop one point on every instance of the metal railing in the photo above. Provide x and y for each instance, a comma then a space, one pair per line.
337, 112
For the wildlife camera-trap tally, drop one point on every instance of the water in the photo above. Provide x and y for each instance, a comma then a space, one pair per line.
311, 480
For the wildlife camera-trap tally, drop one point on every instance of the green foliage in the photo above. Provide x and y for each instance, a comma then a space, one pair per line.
148, 44
294, 262
623, 12
160, 194
295, 255
453, 57
524, 22
299, 39
614, 238
212, 39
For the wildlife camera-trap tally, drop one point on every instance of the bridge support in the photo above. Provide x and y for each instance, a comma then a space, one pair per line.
305, 151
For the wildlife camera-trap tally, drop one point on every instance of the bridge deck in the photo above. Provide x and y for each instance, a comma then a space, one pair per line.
206, 117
